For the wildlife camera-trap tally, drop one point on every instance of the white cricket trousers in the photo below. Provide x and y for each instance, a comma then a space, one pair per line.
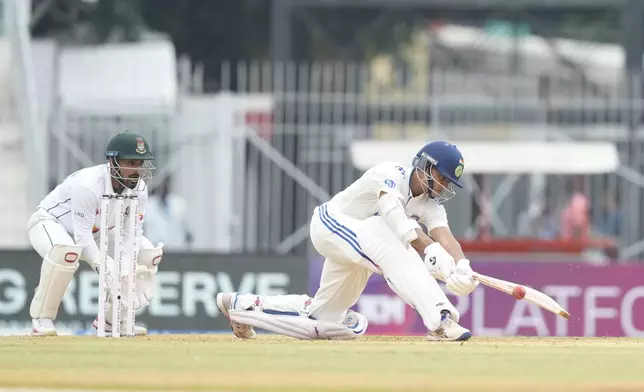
344, 277
45, 231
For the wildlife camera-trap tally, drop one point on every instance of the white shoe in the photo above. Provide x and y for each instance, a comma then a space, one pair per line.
355, 322
138, 331
225, 302
43, 327
449, 330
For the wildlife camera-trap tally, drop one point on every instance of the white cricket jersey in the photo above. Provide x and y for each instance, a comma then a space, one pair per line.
76, 202
359, 199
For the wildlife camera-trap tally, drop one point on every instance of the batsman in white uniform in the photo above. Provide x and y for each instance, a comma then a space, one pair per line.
373, 226
64, 229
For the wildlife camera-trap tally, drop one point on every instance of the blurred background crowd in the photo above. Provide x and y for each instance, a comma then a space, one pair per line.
258, 110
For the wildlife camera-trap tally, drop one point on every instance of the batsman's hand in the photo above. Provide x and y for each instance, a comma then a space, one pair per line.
461, 282
439, 263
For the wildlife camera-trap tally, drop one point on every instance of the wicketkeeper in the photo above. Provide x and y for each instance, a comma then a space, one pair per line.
65, 227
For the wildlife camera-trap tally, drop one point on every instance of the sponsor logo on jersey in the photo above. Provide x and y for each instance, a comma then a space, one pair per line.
390, 183
402, 170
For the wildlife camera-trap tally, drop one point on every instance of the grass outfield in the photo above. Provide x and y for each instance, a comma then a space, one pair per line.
271, 363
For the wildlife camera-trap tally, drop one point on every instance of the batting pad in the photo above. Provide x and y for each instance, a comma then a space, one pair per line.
294, 326
58, 269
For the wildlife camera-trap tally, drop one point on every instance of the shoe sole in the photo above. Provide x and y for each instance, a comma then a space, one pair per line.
39, 334
464, 337
219, 299
224, 310
95, 326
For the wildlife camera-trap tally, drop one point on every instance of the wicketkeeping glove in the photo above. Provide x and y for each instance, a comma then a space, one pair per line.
145, 286
148, 265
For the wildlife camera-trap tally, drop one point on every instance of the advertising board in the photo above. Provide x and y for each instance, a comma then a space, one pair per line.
186, 287
602, 300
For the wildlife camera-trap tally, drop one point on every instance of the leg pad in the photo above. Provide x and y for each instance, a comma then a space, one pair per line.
295, 326
58, 269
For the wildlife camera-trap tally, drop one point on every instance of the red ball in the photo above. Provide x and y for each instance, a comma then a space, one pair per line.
518, 292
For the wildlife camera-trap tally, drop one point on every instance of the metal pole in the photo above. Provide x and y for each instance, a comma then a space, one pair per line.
633, 42
281, 35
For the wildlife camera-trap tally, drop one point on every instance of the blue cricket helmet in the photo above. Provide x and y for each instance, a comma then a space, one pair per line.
445, 157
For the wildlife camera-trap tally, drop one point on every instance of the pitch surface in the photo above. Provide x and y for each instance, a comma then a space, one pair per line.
271, 363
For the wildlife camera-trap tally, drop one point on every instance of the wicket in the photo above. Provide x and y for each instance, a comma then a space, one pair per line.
112, 281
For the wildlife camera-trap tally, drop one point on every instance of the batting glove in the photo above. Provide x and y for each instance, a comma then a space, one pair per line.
461, 281
439, 263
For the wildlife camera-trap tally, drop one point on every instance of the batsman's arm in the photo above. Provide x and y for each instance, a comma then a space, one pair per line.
443, 235
438, 260
435, 219
390, 207
461, 281
84, 205
421, 243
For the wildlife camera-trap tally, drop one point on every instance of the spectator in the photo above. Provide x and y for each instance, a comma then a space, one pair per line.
166, 218
610, 221
575, 218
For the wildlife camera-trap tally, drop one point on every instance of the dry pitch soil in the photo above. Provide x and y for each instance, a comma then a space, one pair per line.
271, 363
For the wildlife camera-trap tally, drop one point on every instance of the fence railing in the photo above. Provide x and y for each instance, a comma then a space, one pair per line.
293, 151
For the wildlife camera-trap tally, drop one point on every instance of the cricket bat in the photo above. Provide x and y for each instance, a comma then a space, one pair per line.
535, 296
